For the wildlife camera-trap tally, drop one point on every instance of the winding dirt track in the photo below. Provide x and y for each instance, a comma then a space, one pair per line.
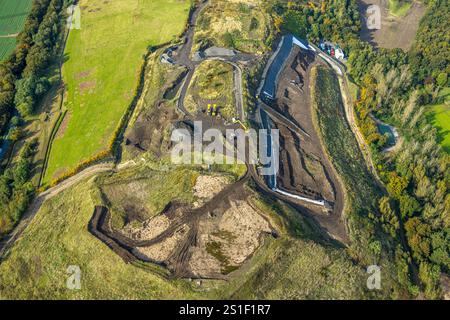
333, 229
40, 199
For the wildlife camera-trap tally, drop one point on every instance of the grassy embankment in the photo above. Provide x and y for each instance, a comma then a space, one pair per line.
369, 245
102, 71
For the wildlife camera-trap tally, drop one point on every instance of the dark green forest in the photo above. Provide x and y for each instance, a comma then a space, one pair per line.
24, 80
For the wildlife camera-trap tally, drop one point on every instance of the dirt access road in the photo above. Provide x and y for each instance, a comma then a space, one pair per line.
183, 58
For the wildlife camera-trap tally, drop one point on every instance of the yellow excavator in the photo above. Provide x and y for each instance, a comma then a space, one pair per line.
212, 110
246, 129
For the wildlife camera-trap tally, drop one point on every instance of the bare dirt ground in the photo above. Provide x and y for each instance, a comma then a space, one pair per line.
395, 32
209, 242
227, 239
304, 167
206, 187
149, 131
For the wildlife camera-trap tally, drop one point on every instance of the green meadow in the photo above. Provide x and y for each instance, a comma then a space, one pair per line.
101, 71
439, 116
399, 8
12, 19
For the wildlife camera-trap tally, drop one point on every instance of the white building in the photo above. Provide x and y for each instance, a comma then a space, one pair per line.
339, 54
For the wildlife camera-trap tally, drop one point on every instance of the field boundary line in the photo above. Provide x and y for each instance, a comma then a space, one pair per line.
52, 136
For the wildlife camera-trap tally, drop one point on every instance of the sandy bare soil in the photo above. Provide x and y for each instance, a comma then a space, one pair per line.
206, 187
161, 251
226, 240
151, 228
209, 241
395, 32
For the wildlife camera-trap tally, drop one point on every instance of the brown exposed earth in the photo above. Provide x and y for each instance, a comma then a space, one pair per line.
207, 242
395, 32
149, 132
304, 168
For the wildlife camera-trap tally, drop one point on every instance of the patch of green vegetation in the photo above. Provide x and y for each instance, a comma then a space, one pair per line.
362, 193
439, 117
296, 269
237, 170
225, 235
102, 71
140, 193
214, 248
212, 83
14, 14
243, 25
399, 8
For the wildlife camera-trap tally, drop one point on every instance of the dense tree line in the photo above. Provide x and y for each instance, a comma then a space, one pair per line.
16, 191
418, 176
23, 80
430, 55
334, 20
395, 86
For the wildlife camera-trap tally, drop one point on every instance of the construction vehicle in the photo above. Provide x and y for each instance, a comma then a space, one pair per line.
212, 110
246, 129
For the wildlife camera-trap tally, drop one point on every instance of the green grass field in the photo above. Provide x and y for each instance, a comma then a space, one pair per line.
399, 8
102, 70
12, 19
439, 116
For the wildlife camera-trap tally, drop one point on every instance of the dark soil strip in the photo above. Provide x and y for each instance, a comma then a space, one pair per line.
97, 228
